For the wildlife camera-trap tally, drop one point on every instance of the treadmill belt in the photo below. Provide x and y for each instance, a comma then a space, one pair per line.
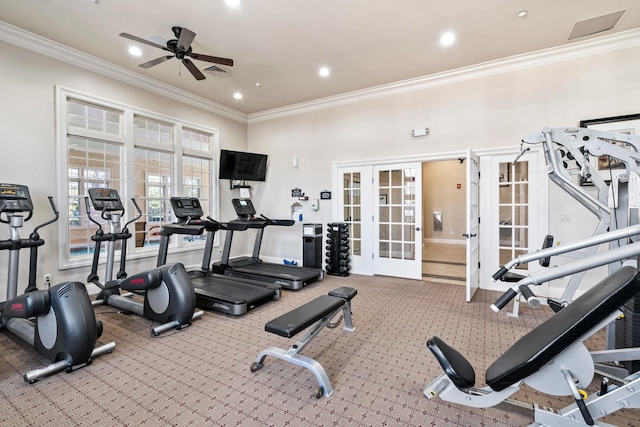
231, 291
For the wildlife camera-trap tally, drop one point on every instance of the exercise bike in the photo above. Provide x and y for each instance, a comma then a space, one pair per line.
64, 329
168, 294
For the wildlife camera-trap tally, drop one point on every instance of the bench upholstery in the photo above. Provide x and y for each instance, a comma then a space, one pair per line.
300, 318
541, 345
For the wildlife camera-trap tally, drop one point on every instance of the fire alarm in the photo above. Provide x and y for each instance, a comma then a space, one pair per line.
458, 186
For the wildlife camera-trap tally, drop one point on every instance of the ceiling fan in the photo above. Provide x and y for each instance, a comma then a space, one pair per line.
180, 48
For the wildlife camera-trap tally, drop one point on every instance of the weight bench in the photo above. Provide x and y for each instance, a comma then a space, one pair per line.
319, 311
551, 358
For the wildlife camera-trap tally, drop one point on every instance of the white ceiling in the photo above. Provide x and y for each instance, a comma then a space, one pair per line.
282, 43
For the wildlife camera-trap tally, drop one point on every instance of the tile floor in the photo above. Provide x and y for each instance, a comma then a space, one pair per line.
443, 262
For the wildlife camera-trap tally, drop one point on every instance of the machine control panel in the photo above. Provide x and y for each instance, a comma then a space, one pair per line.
186, 208
105, 199
15, 198
244, 208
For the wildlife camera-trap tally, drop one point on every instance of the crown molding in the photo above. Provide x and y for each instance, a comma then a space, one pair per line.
597, 46
35, 43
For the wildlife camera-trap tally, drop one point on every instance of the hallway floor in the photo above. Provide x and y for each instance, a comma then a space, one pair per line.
445, 263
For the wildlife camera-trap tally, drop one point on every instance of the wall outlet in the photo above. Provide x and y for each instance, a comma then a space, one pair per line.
47, 280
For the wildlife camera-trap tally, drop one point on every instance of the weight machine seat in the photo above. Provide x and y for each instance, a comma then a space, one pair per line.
545, 342
298, 319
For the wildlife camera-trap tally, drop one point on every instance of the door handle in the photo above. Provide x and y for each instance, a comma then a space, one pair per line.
417, 228
467, 235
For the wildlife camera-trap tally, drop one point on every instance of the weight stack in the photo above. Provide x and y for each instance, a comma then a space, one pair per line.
627, 334
337, 261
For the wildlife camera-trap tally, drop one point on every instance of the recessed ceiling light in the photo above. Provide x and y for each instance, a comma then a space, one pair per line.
233, 3
135, 51
447, 39
237, 95
522, 13
258, 84
324, 72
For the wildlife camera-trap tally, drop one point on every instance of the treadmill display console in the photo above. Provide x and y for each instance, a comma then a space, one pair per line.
244, 208
15, 198
105, 199
186, 208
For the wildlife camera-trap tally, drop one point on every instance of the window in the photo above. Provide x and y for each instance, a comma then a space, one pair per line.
197, 172
153, 185
93, 159
153, 169
100, 143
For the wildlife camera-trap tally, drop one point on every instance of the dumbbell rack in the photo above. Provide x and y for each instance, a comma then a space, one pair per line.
337, 261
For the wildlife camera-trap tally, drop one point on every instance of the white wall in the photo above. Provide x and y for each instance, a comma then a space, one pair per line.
482, 113
27, 138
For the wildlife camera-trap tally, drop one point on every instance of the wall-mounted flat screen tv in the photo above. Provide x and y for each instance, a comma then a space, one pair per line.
241, 166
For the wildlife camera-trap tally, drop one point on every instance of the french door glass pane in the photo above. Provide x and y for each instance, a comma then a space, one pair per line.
396, 197
351, 210
513, 211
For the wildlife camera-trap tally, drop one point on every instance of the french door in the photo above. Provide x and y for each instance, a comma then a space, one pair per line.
397, 220
473, 224
354, 208
515, 215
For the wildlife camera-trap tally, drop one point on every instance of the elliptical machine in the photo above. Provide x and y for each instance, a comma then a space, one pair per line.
168, 294
65, 328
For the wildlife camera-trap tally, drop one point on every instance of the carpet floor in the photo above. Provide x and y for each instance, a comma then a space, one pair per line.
200, 376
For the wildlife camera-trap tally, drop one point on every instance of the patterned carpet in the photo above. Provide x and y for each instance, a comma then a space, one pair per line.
200, 376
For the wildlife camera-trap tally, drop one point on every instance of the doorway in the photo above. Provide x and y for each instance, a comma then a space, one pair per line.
444, 221
361, 198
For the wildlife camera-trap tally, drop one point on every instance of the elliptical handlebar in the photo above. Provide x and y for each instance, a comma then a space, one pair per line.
137, 217
88, 209
54, 208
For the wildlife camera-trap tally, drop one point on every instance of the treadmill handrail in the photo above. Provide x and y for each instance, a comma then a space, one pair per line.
281, 222
190, 229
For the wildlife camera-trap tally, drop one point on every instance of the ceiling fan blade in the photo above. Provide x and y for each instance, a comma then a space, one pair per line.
193, 69
141, 40
214, 59
156, 61
186, 38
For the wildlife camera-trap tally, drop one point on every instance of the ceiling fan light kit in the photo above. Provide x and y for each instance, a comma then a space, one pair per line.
180, 48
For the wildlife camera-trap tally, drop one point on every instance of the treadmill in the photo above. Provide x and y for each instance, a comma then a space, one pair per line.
288, 276
213, 291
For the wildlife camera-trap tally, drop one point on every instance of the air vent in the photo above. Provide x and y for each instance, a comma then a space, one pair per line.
216, 71
595, 25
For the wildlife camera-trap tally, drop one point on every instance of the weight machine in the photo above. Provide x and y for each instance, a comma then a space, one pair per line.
615, 205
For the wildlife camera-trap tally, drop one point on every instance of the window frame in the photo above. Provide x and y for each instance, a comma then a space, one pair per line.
125, 137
